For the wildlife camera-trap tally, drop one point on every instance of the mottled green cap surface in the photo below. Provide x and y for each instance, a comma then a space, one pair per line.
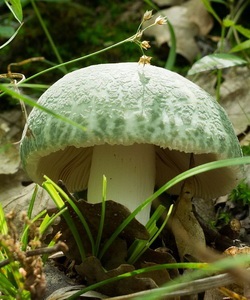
127, 103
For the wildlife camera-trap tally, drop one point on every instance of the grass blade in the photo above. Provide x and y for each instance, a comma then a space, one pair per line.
101, 225
49, 187
172, 53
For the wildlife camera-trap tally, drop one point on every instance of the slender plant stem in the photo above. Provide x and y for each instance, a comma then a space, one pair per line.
172, 53
134, 38
219, 72
25, 237
49, 37
80, 58
218, 84
235, 16
50, 188
12, 37
102, 219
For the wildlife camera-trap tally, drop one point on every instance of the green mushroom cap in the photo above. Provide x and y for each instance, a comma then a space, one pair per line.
127, 104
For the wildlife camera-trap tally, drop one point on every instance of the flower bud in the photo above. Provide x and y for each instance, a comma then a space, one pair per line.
145, 45
161, 20
147, 15
145, 60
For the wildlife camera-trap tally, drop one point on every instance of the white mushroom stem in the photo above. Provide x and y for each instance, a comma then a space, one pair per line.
130, 173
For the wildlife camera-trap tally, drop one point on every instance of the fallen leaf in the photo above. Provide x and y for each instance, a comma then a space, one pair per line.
115, 214
9, 157
160, 277
189, 20
10, 133
65, 292
15, 197
92, 269
185, 227
116, 254
161, 3
234, 93
158, 256
233, 250
213, 294
11, 125
232, 291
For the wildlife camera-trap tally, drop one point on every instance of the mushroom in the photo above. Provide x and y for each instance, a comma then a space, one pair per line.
142, 123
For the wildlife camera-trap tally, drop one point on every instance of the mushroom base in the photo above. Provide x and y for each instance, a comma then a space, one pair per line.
130, 173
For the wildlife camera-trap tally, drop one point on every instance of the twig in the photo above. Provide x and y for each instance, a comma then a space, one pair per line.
60, 246
189, 288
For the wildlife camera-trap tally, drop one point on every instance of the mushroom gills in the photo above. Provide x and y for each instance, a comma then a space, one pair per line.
130, 173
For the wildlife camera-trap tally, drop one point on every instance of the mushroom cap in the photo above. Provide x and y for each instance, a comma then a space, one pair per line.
127, 103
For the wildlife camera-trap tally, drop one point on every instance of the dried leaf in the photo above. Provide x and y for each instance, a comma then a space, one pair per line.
186, 229
10, 131
237, 250
92, 270
158, 256
17, 197
165, 3
116, 255
65, 292
9, 157
212, 294
160, 277
234, 94
115, 214
188, 20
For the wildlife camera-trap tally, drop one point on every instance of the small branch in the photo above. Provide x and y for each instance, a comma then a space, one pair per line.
189, 288
60, 246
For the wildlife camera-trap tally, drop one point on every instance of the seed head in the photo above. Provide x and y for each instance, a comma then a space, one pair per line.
145, 45
147, 15
161, 20
145, 60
